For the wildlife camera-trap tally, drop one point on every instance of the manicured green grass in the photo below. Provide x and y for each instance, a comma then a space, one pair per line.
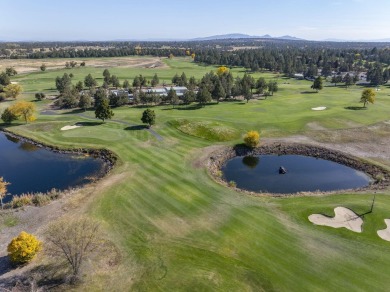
179, 230
212, 131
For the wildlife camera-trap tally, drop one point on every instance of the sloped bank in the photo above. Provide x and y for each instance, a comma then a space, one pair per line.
379, 175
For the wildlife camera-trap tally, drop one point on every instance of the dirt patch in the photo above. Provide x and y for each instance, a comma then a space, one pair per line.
344, 218
33, 65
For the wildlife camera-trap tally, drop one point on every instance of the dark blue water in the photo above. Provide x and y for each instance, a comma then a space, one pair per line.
33, 169
304, 174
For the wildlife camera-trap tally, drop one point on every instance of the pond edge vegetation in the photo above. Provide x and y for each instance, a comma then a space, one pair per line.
380, 176
108, 157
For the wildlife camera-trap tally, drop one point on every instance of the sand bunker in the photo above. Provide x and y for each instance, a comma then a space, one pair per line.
320, 108
385, 233
343, 218
70, 127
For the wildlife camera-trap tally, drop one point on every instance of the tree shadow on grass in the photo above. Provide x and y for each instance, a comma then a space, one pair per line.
4, 126
137, 128
355, 108
75, 111
144, 106
189, 108
309, 92
88, 124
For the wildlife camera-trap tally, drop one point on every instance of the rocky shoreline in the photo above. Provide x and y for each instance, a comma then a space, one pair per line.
379, 175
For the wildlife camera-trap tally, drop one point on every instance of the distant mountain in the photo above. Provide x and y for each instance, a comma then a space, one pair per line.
288, 37
243, 36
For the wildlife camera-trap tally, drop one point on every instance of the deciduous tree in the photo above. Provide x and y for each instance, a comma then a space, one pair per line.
43, 67
368, 96
148, 117
222, 70
3, 190
4, 79
13, 90
10, 71
8, 116
73, 240
24, 109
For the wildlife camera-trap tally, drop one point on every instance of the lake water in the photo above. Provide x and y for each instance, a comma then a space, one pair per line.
30, 168
304, 174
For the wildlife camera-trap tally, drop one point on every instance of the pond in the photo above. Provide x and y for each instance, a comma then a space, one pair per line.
30, 168
260, 173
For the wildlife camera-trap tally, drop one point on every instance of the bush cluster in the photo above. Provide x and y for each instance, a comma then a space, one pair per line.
23, 248
252, 139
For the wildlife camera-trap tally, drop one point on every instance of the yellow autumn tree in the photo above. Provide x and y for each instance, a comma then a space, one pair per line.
13, 90
221, 70
23, 248
193, 55
368, 96
252, 139
25, 110
3, 190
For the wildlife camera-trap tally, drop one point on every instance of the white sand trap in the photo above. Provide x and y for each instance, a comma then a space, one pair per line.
14, 82
385, 233
70, 127
343, 218
320, 108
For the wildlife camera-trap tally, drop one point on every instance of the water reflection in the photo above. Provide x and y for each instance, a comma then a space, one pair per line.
251, 161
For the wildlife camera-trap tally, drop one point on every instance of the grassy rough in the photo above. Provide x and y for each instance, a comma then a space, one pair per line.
213, 131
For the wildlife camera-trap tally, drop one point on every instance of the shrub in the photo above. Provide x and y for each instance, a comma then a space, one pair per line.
39, 95
2, 96
232, 184
23, 248
40, 200
8, 116
22, 200
252, 139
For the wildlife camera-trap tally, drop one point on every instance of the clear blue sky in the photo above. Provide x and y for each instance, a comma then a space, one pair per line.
167, 19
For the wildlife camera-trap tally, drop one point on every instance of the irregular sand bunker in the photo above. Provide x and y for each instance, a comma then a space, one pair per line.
343, 218
385, 233
320, 108
70, 127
